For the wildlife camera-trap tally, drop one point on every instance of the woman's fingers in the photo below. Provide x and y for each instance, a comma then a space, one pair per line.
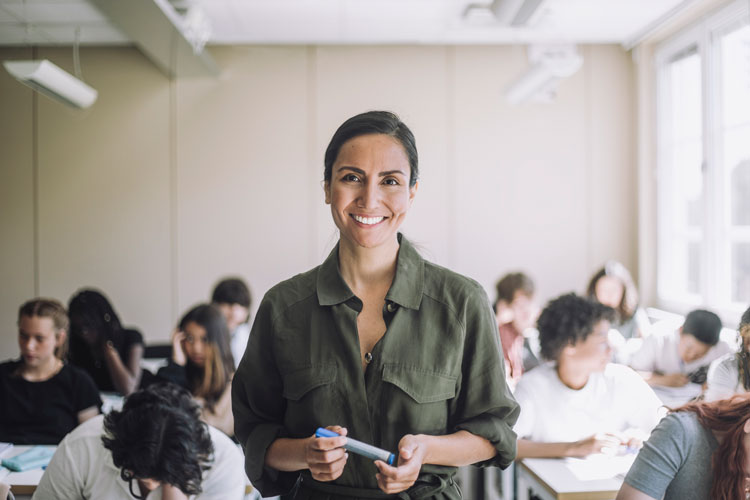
326, 456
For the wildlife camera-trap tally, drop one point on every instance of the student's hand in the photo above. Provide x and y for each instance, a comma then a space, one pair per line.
674, 380
595, 444
325, 456
411, 455
178, 353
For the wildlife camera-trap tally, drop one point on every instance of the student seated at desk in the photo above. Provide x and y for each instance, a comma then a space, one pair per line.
100, 345
700, 451
730, 374
676, 358
232, 297
42, 398
202, 363
579, 403
155, 447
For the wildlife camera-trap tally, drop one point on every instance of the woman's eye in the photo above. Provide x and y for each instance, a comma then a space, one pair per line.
351, 178
391, 181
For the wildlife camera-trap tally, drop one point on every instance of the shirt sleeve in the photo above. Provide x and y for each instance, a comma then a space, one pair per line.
225, 480
649, 409
85, 392
722, 378
644, 359
484, 404
259, 407
62, 478
660, 458
174, 373
524, 396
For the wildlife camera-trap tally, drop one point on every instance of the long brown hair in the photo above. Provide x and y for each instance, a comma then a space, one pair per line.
210, 381
743, 357
728, 417
629, 302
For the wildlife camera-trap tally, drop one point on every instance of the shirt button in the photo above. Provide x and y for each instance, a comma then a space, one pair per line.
391, 307
368, 357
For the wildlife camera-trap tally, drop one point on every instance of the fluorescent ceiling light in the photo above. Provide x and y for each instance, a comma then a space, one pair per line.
514, 13
52, 81
549, 66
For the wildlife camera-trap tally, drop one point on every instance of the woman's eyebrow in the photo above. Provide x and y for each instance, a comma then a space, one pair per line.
391, 172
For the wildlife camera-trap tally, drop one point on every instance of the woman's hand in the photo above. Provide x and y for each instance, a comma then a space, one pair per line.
178, 353
594, 444
326, 457
411, 454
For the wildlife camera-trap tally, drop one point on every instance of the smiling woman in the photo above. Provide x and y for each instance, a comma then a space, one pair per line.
376, 343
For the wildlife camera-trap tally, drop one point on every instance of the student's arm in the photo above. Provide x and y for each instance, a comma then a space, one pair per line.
582, 448
86, 414
125, 378
457, 449
665, 380
627, 492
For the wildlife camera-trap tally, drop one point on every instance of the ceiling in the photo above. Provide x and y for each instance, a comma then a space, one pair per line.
54, 22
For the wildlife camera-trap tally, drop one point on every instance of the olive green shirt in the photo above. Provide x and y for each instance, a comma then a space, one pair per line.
438, 369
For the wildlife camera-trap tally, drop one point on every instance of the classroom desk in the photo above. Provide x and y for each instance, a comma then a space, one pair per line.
22, 483
598, 477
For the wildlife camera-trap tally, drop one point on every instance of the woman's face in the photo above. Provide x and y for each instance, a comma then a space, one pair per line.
745, 336
234, 314
82, 328
196, 343
609, 291
369, 190
38, 339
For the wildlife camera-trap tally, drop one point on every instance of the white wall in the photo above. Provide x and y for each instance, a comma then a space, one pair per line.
163, 187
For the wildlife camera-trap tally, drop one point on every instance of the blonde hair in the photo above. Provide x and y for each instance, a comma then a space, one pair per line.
49, 308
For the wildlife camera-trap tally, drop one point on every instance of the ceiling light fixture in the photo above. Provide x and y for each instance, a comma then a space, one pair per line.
52, 81
549, 65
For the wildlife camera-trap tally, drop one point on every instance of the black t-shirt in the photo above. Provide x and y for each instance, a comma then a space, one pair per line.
81, 356
43, 412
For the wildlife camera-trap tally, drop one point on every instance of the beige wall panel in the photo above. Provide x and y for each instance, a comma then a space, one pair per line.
243, 174
104, 188
612, 167
520, 175
413, 83
16, 201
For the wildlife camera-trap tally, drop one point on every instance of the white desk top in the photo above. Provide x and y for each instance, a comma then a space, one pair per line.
596, 473
22, 483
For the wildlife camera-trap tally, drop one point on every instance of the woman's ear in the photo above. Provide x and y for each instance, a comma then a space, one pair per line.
327, 191
60, 336
746, 427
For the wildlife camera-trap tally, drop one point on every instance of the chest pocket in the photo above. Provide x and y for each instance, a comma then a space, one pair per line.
417, 400
310, 395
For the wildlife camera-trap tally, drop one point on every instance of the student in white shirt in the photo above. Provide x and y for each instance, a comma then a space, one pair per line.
676, 358
579, 403
155, 448
730, 374
232, 297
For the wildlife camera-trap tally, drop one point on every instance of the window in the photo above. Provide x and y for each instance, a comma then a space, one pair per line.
703, 163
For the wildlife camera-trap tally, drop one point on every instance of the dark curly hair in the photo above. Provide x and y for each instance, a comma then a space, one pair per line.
159, 435
567, 320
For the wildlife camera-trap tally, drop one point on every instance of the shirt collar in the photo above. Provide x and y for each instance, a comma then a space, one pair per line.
405, 291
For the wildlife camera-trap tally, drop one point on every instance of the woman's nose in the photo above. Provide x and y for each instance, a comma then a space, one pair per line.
368, 195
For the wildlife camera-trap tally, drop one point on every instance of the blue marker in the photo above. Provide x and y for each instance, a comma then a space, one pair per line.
360, 448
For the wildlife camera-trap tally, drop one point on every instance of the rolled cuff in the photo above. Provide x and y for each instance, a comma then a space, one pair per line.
497, 432
269, 481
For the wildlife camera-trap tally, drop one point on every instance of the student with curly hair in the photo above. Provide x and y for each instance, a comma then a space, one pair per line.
579, 403
155, 447
202, 363
730, 374
42, 397
99, 343
699, 451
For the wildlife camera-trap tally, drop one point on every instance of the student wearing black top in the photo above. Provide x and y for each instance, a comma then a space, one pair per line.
42, 398
100, 345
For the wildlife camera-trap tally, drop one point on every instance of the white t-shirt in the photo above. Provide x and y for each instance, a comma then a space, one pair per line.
82, 468
659, 353
238, 343
723, 378
614, 400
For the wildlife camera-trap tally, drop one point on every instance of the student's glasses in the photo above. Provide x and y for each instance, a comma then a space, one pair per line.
127, 476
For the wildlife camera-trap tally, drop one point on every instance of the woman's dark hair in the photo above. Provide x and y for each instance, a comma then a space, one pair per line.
743, 356
90, 309
567, 320
727, 416
232, 291
629, 302
210, 381
373, 122
703, 325
54, 310
159, 435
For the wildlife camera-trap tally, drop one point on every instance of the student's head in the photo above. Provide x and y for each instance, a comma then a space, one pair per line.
370, 178
698, 334
42, 331
515, 301
730, 420
575, 330
744, 330
232, 297
613, 286
206, 346
158, 436
92, 318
